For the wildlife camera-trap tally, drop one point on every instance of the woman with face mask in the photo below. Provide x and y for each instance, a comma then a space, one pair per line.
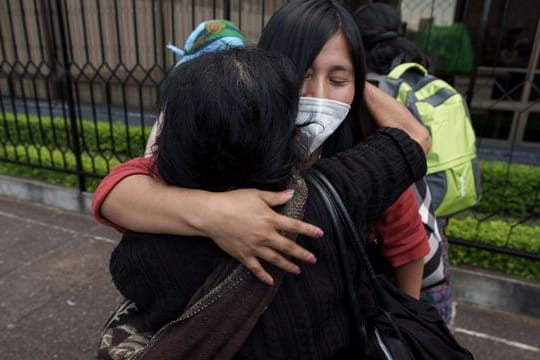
321, 39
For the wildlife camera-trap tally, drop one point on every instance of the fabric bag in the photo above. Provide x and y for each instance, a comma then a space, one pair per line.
453, 173
394, 325
217, 320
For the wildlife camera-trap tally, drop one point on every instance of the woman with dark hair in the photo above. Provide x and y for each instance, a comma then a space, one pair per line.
311, 33
229, 123
300, 30
321, 39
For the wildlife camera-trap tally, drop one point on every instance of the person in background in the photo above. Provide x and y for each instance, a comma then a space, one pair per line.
386, 47
208, 36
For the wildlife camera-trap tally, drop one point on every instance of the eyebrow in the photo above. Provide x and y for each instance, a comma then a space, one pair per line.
342, 68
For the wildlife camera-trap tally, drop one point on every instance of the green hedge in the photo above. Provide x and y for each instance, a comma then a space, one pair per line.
64, 159
95, 137
508, 264
46, 141
497, 232
509, 189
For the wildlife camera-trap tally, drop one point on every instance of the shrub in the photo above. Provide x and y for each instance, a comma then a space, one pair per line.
63, 159
509, 189
95, 137
509, 264
47, 142
497, 232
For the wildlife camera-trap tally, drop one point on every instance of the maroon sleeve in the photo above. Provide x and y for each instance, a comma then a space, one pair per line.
401, 231
136, 166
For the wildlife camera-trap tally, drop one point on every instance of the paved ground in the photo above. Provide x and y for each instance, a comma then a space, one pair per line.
56, 292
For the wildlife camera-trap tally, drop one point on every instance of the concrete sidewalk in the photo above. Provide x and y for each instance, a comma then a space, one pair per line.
54, 281
57, 293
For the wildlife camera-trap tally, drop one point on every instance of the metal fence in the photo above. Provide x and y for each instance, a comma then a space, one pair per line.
79, 79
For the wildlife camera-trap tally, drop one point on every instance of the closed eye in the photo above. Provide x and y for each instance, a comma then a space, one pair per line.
339, 82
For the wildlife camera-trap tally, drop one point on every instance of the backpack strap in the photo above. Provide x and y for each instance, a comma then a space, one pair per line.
400, 70
389, 86
397, 60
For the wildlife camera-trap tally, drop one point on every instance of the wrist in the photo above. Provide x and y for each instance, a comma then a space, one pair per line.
201, 211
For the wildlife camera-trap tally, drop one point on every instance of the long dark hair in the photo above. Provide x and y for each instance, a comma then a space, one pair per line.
299, 30
229, 121
383, 36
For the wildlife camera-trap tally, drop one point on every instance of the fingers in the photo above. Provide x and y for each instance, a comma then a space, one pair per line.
276, 198
289, 248
294, 226
278, 260
273, 257
263, 238
254, 265
285, 223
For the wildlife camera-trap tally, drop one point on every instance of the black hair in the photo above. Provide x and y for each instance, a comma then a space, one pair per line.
229, 122
383, 36
299, 30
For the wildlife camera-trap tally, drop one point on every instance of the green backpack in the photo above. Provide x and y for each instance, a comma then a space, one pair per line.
453, 174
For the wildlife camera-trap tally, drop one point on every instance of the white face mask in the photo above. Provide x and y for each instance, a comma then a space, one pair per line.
321, 118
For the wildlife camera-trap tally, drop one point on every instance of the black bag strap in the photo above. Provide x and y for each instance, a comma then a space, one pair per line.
392, 305
340, 218
346, 233
345, 230
316, 179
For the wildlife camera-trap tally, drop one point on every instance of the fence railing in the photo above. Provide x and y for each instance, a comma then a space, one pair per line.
79, 80
77, 77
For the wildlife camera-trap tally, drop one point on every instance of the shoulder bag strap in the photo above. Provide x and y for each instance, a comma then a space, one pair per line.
340, 217
346, 231
317, 180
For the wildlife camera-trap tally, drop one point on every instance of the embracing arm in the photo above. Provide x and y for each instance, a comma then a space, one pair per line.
132, 198
388, 112
409, 277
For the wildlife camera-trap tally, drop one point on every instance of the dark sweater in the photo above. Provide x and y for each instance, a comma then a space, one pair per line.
309, 318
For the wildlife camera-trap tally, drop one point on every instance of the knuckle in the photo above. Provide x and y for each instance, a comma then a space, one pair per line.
275, 259
265, 241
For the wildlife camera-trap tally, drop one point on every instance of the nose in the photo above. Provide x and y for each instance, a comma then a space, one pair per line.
313, 87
